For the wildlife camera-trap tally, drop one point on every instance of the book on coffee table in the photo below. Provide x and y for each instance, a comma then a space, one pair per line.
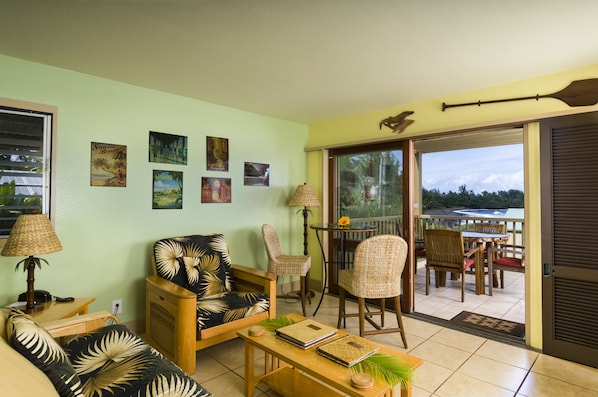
305, 333
348, 350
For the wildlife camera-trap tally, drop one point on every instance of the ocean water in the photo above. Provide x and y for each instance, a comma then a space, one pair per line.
483, 213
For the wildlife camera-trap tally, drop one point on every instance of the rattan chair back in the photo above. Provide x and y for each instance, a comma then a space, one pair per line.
377, 267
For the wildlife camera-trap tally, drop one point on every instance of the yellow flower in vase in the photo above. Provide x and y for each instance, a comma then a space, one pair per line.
344, 221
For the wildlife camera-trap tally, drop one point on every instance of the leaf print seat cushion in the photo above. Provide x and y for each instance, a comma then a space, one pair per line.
113, 361
201, 263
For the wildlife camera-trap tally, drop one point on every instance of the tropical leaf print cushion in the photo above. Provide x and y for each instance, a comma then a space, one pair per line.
197, 262
38, 346
113, 361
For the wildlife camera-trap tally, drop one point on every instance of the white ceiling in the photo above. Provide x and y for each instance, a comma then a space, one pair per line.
305, 60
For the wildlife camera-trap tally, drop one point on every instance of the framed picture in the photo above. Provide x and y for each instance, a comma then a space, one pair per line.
108, 165
256, 174
215, 190
217, 153
167, 148
167, 190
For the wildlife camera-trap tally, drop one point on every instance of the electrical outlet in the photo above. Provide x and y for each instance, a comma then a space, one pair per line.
117, 306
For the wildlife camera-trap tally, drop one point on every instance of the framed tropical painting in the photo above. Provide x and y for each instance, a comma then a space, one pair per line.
216, 190
256, 174
108, 165
167, 148
217, 153
167, 190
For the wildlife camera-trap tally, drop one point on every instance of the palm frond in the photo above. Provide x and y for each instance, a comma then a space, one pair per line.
192, 267
385, 367
193, 250
218, 244
213, 285
167, 252
172, 386
272, 324
209, 263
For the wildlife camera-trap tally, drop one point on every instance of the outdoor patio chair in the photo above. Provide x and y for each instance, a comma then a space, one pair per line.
510, 258
445, 253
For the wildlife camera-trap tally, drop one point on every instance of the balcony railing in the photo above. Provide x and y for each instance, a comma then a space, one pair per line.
393, 225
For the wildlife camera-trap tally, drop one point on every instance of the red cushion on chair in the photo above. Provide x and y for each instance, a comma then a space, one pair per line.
469, 263
508, 261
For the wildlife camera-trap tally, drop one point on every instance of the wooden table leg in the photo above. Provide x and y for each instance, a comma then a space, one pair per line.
480, 282
249, 369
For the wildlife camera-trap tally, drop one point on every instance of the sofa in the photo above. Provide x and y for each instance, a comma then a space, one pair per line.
197, 298
82, 357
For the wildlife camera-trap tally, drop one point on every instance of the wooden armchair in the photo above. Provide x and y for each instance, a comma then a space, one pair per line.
445, 253
507, 257
197, 298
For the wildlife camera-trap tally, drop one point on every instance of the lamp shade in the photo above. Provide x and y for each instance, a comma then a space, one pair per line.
304, 197
32, 234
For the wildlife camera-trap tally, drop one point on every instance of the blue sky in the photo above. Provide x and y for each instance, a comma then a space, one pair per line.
485, 169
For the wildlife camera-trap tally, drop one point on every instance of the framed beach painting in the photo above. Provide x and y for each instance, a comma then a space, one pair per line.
217, 153
216, 190
167, 192
256, 174
108, 165
167, 148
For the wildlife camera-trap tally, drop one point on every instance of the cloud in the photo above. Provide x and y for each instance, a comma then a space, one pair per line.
489, 169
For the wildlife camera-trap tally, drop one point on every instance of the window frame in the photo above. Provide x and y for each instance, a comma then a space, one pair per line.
49, 150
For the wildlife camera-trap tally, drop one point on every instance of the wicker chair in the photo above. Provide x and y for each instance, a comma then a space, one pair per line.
286, 265
445, 253
507, 257
377, 268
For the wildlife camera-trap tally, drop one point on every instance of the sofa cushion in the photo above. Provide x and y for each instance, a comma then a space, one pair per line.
196, 262
16, 370
113, 361
227, 307
38, 346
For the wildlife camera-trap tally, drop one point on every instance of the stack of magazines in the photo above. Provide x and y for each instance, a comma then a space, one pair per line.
348, 350
305, 333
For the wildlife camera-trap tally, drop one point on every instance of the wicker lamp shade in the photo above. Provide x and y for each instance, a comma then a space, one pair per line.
304, 197
31, 235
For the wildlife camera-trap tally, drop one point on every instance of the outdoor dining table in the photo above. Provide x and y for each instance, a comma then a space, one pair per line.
482, 239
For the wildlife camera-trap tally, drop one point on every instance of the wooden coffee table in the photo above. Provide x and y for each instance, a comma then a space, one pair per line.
290, 370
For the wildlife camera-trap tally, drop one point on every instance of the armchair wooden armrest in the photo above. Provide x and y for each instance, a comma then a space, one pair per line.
79, 324
171, 315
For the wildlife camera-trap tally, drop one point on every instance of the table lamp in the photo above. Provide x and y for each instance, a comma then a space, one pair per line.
31, 235
304, 197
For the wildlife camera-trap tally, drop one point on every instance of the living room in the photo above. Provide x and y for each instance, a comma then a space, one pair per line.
107, 232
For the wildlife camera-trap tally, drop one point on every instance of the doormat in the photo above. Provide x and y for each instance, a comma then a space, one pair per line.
474, 320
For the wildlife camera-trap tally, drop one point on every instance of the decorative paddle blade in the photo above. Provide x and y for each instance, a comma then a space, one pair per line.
578, 93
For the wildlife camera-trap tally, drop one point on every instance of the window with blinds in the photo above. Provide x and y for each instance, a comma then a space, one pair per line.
25, 148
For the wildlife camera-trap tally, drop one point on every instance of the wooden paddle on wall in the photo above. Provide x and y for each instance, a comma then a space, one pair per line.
578, 93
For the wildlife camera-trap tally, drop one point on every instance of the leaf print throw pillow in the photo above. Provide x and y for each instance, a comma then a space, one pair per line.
38, 346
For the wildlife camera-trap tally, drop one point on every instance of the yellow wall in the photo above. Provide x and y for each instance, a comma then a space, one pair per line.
429, 119
107, 232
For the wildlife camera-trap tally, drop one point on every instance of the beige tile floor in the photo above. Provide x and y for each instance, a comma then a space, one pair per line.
445, 302
455, 363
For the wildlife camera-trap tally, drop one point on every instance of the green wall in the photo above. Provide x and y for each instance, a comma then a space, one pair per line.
107, 232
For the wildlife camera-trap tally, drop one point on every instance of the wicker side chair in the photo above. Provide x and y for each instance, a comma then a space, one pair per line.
377, 268
281, 264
